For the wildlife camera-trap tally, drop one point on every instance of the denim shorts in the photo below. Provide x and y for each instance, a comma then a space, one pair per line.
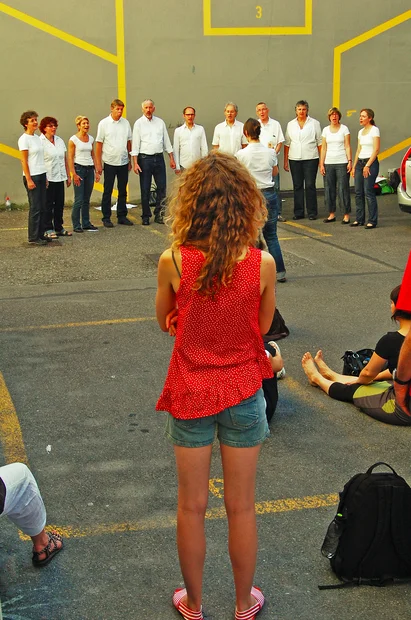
241, 426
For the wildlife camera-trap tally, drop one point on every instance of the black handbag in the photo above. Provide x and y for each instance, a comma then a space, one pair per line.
354, 361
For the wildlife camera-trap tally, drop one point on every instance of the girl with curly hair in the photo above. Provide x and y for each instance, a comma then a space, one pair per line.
216, 294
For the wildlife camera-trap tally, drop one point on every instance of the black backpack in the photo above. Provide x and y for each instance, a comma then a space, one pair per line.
355, 361
369, 540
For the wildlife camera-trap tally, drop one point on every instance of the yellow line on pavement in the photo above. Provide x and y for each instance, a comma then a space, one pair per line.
169, 521
307, 228
11, 437
83, 324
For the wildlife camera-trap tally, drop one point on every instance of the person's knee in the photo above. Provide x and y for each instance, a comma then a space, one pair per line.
194, 507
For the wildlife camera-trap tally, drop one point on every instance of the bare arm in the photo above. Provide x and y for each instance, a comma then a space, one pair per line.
278, 147
286, 149
99, 152
93, 157
167, 285
402, 392
357, 152
322, 156
24, 156
267, 290
376, 149
371, 371
68, 182
347, 146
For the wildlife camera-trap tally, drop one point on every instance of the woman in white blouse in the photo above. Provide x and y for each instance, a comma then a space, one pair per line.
57, 175
302, 150
335, 166
365, 170
34, 176
82, 164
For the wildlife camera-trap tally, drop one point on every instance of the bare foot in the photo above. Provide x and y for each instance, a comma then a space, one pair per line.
310, 369
323, 368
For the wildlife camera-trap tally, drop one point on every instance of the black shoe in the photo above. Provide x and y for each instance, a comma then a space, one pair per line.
356, 223
345, 222
108, 224
146, 221
298, 217
159, 219
280, 218
312, 217
125, 221
38, 242
327, 221
90, 228
79, 230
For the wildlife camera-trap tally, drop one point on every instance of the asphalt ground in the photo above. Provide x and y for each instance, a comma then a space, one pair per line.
83, 362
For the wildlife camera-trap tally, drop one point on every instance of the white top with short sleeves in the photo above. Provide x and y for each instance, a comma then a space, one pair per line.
303, 143
336, 153
150, 136
271, 133
82, 155
260, 161
229, 138
35, 149
114, 135
367, 142
54, 159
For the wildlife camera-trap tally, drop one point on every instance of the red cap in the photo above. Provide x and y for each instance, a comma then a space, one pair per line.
404, 298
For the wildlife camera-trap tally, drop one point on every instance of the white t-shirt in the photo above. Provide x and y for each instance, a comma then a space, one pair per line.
114, 135
303, 142
35, 149
229, 138
367, 142
260, 161
335, 145
54, 159
82, 154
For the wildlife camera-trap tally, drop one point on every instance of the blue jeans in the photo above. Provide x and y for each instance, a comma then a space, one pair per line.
337, 185
152, 166
270, 230
364, 191
82, 194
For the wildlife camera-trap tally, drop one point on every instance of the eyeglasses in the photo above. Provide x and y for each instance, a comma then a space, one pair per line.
53, 125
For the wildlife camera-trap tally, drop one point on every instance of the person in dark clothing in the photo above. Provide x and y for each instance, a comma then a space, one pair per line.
373, 390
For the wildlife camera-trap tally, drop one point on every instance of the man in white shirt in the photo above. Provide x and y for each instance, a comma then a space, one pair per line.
150, 140
228, 135
113, 145
190, 142
271, 136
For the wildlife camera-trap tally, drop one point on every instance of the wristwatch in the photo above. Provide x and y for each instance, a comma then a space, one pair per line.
395, 378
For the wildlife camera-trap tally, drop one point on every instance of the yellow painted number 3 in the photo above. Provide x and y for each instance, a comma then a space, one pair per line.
259, 10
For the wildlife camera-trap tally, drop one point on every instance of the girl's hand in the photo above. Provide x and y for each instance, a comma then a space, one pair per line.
366, 172
31, 184
353, 171
322, 169
77, 180
97, 177
171, 321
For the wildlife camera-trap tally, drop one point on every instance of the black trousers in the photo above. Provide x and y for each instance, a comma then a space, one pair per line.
304, 174
53, 219
37, 206
110, 174
152, 166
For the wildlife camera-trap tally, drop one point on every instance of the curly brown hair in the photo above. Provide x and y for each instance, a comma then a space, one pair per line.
217, 208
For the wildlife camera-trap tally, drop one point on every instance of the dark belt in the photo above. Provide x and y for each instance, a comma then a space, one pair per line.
155, 154
2, 495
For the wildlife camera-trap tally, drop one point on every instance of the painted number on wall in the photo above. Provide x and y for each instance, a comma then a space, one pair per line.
259, 10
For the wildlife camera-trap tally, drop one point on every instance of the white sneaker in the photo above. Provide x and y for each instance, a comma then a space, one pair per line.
281, 373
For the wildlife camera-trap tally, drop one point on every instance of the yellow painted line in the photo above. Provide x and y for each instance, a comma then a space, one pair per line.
121, 55
362, 38
82, 324
401, 146
319, 233
209, 30
11, 437
11, 229
59, 34
169, 521
8, 150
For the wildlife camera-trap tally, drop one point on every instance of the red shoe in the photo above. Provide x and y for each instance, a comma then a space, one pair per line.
250, 614
186, 612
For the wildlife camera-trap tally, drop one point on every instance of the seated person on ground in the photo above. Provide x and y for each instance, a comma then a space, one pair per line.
21, 502
373, 391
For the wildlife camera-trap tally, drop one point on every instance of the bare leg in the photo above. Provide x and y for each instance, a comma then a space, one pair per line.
326, 371
239, 467
193, 469
40, 541
314, 377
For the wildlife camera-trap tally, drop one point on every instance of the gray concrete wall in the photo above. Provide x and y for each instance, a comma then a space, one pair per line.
203, 53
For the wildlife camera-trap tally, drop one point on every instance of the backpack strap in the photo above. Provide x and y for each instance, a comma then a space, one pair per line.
175, 263
370, 469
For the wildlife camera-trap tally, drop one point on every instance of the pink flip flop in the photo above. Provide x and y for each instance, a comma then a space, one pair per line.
186, 612
250, 614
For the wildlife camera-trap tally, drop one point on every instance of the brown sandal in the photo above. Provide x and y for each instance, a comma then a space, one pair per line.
51, 549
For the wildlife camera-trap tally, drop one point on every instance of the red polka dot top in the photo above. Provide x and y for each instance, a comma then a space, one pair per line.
218, 358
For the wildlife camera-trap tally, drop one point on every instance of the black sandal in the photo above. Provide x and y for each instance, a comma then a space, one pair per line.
51, 549
356, 223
